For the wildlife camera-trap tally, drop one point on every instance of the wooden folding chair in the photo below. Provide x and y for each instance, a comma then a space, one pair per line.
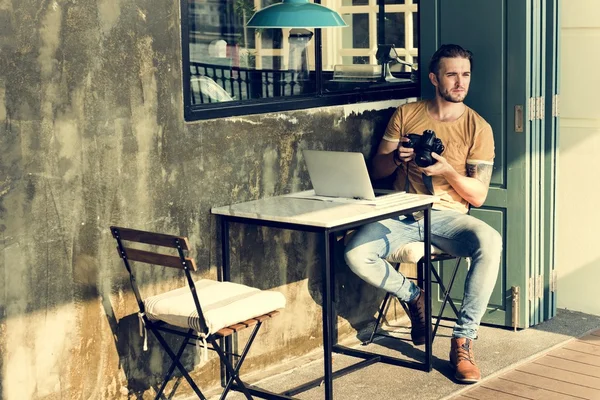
201, 312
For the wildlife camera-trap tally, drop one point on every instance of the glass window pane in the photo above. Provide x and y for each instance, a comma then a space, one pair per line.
357, 66
360, 60
415, 30
271, 38
394, 29
360, 31
356, 35
230, 62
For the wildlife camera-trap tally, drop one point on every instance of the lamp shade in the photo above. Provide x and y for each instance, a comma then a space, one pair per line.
296, 14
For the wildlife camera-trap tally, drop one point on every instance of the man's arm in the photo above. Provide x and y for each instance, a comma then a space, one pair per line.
474, 187
384, 163
480, 170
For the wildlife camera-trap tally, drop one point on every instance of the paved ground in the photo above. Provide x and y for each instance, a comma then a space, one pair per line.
496, 351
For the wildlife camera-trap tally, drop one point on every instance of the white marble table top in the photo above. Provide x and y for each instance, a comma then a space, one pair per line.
317, 213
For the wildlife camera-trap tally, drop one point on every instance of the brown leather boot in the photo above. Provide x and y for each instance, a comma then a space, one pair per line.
462, 361
416, 313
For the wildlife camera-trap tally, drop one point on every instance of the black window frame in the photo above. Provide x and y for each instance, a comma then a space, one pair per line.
192, 113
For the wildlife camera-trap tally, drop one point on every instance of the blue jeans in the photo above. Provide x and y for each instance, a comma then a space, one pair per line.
455, 233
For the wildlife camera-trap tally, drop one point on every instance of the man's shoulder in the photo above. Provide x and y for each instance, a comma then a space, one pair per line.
412, 104
412, 107
477, 119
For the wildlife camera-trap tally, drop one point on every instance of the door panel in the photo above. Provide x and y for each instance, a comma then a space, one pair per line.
499, 298
495, 218
498, 32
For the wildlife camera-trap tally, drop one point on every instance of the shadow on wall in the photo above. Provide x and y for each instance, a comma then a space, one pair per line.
133, 360
261, 257
290, 256
145, 369
141, 359
358, 302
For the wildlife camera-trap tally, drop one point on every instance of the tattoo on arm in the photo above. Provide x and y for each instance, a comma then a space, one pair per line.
480, 171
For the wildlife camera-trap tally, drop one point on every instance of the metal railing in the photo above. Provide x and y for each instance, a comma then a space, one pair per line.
211, 83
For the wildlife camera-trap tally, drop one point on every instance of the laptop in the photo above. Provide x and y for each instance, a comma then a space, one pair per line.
341, 176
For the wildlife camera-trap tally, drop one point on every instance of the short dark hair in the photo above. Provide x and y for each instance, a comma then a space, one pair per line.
448, 51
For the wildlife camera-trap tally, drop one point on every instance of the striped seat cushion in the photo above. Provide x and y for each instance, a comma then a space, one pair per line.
411, 253
223, 304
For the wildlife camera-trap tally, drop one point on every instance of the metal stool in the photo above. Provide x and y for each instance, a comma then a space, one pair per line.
413, 253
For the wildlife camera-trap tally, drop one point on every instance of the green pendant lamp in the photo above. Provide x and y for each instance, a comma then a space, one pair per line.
296, 14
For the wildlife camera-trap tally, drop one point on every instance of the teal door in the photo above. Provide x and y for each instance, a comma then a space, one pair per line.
551, 141
536, 180
507, 85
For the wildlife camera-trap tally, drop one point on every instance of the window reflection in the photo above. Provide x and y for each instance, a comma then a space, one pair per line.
230, 62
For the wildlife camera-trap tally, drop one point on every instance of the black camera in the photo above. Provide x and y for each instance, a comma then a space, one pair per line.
424, 145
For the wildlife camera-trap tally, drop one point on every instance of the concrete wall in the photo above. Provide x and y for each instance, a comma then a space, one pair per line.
578, 220
92, 134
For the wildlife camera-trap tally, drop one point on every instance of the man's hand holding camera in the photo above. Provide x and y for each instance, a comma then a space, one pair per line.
404, 154
424, 149
441, 167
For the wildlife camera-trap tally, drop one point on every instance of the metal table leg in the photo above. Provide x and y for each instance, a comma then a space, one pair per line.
427, 273
225, 276
327, 317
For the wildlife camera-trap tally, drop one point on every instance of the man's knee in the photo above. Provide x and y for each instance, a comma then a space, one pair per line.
360, 259
490, 241
495, 240
355, 257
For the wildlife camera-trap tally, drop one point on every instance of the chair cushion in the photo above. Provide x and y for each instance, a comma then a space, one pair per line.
411, 253
223, 304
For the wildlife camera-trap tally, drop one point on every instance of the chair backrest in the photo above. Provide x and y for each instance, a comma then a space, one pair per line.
155, 239
155, 252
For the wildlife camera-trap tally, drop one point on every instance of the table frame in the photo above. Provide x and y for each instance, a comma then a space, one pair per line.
328, 239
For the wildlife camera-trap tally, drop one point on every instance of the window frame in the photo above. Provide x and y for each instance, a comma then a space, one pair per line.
192, 112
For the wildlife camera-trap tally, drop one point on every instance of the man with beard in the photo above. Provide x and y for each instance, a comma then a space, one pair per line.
460, 178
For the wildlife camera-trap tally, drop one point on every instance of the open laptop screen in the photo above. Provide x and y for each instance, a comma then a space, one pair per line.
339, 174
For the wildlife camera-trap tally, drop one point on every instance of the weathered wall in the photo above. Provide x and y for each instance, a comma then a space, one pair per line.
92, 134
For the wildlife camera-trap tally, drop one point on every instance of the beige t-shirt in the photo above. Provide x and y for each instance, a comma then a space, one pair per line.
467, 139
